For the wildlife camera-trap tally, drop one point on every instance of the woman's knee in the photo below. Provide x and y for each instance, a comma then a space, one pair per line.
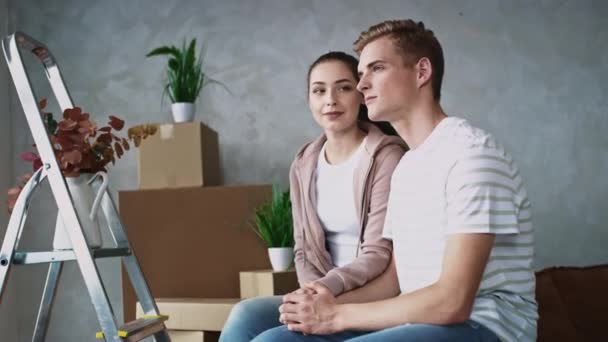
277, 334
250, 317
255, 307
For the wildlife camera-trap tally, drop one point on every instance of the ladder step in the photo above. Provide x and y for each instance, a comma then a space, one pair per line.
111, 252
139, 329
27, 258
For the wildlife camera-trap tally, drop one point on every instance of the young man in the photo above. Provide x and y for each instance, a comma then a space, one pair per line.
458, 215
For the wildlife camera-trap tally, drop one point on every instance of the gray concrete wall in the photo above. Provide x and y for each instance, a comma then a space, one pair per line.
8, 306
533, 73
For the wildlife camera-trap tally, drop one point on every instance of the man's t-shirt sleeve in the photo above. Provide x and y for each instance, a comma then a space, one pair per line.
482, 194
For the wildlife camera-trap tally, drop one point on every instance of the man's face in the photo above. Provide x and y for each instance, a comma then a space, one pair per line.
388, 86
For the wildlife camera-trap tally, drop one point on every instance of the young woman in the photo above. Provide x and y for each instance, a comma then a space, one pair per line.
339, 185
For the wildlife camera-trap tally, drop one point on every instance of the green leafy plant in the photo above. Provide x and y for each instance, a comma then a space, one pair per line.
185, 74
273, 220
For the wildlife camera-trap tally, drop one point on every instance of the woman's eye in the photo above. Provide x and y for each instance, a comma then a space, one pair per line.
318, 91
345, 88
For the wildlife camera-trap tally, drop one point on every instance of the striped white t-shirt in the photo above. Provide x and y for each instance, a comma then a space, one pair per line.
460, 180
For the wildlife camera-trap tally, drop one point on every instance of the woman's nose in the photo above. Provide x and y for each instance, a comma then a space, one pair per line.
331, 98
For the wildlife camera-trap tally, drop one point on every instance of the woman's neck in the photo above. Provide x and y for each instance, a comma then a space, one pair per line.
341, 145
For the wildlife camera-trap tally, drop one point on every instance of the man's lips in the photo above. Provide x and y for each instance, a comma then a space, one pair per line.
369, 99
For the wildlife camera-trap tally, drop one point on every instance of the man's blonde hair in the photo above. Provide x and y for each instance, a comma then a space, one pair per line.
413, 42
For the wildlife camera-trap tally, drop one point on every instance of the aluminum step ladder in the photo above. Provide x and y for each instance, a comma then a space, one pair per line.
81, 252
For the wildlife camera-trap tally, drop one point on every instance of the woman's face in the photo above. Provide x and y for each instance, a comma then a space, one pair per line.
333, 97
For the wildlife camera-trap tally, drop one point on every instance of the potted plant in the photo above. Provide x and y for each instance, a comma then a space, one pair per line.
83, 151
185, 78
274, 225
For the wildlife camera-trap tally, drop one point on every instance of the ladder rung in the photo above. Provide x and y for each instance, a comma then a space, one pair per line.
111, 252
27, 258
139, 329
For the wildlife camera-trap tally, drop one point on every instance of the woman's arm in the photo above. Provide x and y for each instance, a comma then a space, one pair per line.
305, 270
375, 252
384, 286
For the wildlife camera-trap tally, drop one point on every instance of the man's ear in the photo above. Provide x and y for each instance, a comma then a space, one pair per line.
424, 70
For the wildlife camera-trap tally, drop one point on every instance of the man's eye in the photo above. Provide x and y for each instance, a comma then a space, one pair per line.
378, 68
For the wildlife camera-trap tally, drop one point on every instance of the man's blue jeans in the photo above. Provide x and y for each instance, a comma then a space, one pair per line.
257, 319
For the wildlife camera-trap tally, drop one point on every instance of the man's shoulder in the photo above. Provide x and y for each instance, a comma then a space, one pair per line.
466, 141
464, 135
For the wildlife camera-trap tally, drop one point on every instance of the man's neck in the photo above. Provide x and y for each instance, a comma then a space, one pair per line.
415, 126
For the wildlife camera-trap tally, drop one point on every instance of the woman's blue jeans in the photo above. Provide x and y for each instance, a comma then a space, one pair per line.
257, 319
251, 317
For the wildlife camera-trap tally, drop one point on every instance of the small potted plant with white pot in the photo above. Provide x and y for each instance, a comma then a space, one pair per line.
274, 225
185, 78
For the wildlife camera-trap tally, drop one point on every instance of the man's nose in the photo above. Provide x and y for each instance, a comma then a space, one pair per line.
363, 84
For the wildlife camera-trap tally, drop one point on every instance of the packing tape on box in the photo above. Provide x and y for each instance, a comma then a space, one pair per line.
166, 131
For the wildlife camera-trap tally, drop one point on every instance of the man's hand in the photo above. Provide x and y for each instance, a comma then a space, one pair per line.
13, 193
305, 289
310, 312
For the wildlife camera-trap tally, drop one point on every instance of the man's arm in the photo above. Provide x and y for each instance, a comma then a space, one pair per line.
447, 301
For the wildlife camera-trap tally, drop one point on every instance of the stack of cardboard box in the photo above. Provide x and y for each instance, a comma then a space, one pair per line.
202, 319
191, 236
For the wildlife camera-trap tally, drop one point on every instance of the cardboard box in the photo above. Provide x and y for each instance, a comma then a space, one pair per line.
179, 155
193, 336
267, 283
204, 314
192, 242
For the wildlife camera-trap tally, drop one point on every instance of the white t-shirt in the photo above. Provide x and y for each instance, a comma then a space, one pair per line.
460, 180
336, 206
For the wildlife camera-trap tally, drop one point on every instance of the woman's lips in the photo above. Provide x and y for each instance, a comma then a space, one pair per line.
333, 115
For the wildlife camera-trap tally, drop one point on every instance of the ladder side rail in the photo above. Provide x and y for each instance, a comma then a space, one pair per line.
51, 68
46, 303
110, 213
57, 182
15, 226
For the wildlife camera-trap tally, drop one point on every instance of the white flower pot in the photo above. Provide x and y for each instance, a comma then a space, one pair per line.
86, 203
183, 111
280, 258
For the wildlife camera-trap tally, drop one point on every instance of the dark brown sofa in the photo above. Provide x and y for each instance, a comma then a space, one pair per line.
573, 303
